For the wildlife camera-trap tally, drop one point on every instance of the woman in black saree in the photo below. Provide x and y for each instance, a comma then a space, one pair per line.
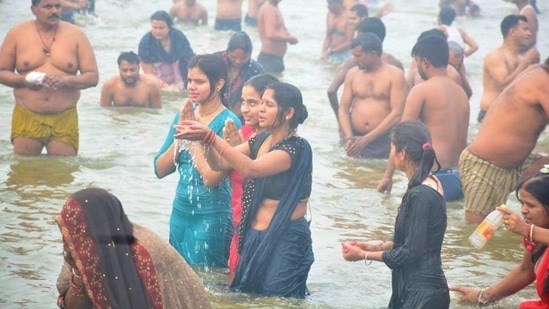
274, 237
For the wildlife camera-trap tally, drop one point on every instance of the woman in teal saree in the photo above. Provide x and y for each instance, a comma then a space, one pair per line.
201, 219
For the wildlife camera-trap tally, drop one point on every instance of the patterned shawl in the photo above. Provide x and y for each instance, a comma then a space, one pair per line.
117, 271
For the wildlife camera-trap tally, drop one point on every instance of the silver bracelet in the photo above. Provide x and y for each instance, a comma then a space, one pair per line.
366, 259
480, 300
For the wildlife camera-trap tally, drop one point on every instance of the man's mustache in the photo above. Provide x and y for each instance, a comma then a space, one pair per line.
53, 16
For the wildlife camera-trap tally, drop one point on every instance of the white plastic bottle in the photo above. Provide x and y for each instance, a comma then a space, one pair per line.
487, 228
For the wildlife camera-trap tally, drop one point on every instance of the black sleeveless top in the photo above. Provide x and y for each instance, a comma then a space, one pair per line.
276, 185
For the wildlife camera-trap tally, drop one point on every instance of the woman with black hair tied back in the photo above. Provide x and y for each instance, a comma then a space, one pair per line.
414, 253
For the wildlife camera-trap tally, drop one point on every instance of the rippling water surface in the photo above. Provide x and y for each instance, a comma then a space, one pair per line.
118, 145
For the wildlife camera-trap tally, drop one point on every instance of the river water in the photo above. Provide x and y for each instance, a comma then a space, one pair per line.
118, 145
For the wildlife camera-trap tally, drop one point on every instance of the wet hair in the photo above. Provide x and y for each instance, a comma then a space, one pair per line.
35, 2
538, 186
289, 96
163, 16
129, 57
415, 139
368, 42
360, 9
261, 82
373, 25
455, 48
447, 15
509, 22
432, 32
215, 70
240, 40
433, 49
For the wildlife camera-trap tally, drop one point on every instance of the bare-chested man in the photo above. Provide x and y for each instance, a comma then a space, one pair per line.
228, 15
339, 33
131, 88
274, 37
504, 63
41, 60
372, 25
372, 101
253, 10
528, 11
443, 107
458, 75
493, 162
189, 12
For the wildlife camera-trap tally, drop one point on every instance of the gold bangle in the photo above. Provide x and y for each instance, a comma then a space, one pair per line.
531, 233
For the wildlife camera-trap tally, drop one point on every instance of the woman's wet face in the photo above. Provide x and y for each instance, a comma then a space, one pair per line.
238, 58
532, 209
251, 102
268, 112
160, 29
198, 85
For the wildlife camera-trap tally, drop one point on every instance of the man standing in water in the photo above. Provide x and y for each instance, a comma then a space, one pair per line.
274, 37
131, 88
339, 33
503, 64
229, 15
443, 106
372, 101
41, 60
501, 152
253, 9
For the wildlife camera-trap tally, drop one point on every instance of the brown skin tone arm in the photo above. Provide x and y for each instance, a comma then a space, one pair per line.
155, 97
107, 94
519, 278
8, 77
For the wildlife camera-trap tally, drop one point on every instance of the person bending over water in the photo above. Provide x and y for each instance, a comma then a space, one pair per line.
533, 227
165, 51
111, 262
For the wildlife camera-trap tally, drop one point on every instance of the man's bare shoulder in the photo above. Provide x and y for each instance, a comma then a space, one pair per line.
393, 71
111, 81
18, 31
149, 81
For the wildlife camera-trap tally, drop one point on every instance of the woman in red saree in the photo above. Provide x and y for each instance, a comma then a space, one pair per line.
533, 194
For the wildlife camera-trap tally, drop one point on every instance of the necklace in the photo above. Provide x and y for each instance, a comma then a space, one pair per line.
200, 116
46, 48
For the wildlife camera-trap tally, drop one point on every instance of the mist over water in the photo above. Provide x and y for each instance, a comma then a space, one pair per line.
118, 146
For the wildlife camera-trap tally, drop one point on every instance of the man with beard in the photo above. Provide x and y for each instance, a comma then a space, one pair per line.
372, 101
443, 106
131, 88
47, 63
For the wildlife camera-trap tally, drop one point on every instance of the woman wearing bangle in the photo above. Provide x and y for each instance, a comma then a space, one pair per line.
251, 99
533, 195
274, 237
111, 262
414, 253
201, 222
